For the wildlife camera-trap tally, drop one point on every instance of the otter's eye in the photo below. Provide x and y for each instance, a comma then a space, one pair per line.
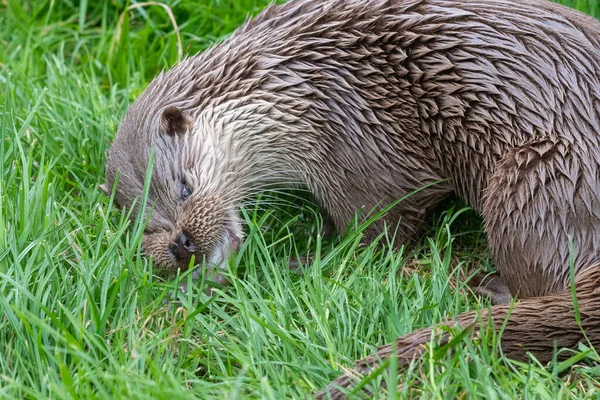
185, 192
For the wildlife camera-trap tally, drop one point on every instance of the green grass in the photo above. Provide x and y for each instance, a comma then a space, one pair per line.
83, 316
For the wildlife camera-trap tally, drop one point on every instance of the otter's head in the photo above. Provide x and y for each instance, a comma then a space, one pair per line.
190, 210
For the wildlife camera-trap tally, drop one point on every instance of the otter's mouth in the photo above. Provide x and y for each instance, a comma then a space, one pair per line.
230, 244
183, 248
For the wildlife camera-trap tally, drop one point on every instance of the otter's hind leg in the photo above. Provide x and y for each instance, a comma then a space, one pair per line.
492, 286
541, 211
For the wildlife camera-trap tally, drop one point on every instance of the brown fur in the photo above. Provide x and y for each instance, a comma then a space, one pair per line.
363, 102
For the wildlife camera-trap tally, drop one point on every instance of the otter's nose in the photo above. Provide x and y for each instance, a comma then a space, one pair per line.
182, 247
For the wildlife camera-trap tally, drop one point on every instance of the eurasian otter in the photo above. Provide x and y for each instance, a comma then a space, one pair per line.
363, 102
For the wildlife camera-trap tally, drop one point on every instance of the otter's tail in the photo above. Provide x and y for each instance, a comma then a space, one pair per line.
538, 325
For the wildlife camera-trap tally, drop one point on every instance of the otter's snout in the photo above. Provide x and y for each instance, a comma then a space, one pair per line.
182, 247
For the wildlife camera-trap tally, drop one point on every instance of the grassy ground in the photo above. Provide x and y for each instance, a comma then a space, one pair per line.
83, 316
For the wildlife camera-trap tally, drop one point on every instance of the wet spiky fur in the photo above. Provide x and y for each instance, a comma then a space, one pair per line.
364, 101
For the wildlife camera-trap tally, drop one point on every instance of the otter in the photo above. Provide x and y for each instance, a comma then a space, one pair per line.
365, 102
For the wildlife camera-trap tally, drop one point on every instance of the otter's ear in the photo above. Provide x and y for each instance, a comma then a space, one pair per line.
174, 121
105, 189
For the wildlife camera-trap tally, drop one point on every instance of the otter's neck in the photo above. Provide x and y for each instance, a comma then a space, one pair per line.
252, 143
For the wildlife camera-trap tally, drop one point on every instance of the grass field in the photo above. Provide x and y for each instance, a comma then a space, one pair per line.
83, 316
